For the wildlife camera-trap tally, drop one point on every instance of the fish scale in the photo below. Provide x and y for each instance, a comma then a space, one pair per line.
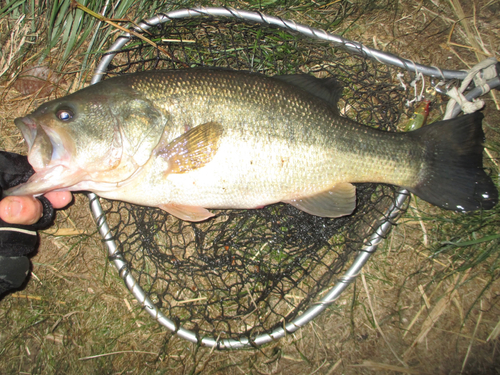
299, 122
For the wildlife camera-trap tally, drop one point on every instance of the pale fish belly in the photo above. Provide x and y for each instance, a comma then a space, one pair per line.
243, 174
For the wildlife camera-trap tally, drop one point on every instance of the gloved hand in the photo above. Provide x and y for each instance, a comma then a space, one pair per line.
17, 241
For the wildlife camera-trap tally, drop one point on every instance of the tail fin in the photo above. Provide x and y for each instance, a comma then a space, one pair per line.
453, 177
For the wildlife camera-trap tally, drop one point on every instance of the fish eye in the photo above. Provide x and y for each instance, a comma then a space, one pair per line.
64, 114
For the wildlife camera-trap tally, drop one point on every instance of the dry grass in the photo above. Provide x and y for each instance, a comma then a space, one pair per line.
402, 316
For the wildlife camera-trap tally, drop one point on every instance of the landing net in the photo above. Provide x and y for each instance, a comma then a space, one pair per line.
247, 277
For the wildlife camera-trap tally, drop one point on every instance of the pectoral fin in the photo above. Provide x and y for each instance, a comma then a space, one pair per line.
188, 213
193, 149
338, 201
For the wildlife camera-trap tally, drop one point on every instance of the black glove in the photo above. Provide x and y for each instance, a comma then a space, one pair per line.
17, 241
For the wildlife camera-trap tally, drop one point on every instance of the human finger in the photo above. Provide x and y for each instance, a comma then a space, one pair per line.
20, 210
59, 199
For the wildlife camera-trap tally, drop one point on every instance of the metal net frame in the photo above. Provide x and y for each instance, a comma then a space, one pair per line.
247, 277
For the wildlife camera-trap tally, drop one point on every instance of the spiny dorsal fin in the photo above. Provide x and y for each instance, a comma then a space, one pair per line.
327, 89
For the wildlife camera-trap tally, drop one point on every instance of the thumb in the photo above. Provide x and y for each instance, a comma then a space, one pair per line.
20, 210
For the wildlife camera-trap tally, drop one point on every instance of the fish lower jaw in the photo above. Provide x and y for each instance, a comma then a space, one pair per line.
58, 178
23, 189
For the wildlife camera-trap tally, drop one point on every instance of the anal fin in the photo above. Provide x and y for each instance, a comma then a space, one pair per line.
340, 200
187, 213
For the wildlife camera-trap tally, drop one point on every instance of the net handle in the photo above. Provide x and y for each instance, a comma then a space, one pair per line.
364, 254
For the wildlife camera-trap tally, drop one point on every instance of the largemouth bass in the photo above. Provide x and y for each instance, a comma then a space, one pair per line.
194, 139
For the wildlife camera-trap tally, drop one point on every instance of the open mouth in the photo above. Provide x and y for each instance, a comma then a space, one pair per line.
28, 129
40, 147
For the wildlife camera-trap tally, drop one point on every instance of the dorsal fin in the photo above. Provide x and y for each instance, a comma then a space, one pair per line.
327, 89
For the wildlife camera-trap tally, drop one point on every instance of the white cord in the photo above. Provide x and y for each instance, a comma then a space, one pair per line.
487, 66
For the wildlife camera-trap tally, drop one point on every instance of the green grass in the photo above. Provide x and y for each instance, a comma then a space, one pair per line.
73, 35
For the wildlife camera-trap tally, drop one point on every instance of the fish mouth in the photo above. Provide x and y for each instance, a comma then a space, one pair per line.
28, 128
40, 145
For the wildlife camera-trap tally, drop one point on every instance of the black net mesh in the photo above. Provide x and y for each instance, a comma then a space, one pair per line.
246, 272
